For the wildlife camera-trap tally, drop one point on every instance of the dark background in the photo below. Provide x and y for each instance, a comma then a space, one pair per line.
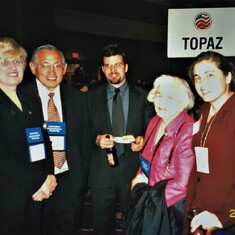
86, 27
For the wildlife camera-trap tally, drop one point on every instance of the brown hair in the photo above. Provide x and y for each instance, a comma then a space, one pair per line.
222, 63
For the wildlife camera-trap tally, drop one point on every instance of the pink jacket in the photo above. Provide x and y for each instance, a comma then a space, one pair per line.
182, 155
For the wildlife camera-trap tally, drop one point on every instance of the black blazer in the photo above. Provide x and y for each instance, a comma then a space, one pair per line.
78, 141
16, 168
139, 114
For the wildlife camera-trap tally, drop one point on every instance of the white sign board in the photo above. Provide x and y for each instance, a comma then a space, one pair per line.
191, 31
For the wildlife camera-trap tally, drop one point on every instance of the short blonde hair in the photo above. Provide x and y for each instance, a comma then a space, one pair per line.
9, 47
182, 86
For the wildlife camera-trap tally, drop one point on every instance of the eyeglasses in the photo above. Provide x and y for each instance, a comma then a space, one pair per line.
47, 67
7, 62
113, 66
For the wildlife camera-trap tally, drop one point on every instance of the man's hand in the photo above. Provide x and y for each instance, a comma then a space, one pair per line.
46, 189
140, 178
138, 144
207, 220
105, 142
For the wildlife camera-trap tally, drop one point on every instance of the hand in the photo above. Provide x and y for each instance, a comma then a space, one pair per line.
105, 142
46, 189
207, 220
138, 144
140, 178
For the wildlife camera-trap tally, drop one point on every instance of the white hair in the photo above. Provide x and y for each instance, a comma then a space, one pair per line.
186, 96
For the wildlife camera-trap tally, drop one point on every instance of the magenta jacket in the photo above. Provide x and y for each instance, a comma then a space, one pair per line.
182, 155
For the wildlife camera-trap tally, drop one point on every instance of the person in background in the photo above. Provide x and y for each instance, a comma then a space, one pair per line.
211, 188
70, 135
26, 171
108, 184
167, 152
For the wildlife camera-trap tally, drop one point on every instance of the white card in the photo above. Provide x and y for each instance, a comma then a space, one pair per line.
126, 139
58, 143
202, 159
37, 152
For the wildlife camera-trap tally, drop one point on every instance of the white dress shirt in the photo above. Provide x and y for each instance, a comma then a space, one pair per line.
43, 93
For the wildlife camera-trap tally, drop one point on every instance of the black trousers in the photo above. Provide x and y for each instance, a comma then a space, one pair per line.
60, 209
176, 214
19, 214
104, 205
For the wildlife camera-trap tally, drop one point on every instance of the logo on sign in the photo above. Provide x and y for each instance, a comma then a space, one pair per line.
202, 21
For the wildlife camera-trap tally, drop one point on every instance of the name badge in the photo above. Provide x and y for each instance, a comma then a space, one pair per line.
57, 134
202, 159
35, 144
145, 166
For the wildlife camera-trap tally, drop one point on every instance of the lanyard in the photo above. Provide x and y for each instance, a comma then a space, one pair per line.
206, 130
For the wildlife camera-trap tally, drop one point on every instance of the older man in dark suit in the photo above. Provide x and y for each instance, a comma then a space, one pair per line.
110, 185
68, 127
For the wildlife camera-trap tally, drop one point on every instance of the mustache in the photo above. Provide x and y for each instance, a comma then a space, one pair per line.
114, 73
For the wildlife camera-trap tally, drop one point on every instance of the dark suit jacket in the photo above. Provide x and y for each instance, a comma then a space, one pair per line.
140, 112
75, 114
15, 169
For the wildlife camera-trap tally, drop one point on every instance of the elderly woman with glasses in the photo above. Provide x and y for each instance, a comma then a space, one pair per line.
166, 149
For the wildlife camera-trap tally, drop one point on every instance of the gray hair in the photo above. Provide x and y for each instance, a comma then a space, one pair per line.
188, 98
46, 47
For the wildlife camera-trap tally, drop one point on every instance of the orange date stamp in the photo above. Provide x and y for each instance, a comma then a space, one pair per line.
232, 213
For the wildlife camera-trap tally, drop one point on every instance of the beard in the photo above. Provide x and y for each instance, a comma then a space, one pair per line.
115, 78
115, 82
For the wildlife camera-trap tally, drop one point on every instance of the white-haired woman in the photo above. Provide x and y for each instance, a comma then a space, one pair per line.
166, 148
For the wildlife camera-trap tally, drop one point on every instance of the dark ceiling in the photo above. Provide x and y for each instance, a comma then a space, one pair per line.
144, 51
86, 26
148, 11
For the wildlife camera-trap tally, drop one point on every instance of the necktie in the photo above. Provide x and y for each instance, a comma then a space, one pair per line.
118, 120
53, 115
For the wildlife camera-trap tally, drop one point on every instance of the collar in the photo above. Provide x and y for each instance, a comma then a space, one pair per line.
111, 89
227, 106
44, 91
174, 125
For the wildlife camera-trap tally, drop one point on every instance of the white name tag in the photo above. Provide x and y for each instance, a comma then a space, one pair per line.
58, 143
202, 159
57, 134
35, 143
37, 152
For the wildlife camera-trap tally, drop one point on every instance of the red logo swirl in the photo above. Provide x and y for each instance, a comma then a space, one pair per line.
202, 21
